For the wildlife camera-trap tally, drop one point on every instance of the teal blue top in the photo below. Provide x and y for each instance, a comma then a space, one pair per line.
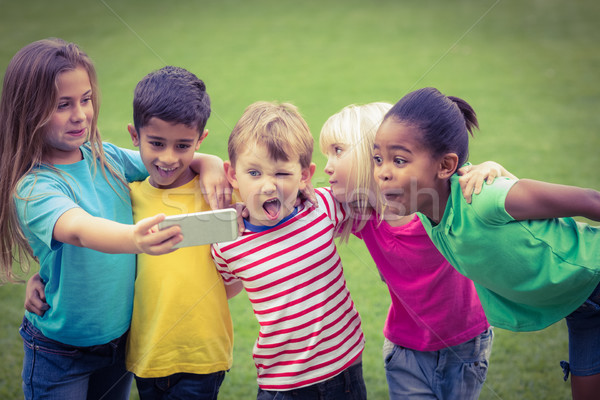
90, 293
528, 274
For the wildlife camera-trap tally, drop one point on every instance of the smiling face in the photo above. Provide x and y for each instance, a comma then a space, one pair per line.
167, 150
407, 174
269, 188
69, 125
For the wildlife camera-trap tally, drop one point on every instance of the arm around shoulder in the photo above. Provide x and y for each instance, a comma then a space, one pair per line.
472, 177
530, 199
213, 182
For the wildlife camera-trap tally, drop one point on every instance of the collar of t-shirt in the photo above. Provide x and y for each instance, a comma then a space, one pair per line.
262, 228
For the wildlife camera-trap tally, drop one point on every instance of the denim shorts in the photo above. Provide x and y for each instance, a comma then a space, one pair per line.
584, 338
53, 370
347, 385
181, 386
456, 372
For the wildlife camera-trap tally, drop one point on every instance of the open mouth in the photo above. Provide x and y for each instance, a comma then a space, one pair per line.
392, 195
77, 132
165, 172
272, 208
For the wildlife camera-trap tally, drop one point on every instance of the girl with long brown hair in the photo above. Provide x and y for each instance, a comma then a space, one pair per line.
65, 204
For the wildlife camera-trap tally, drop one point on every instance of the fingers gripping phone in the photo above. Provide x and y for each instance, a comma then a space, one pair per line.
204, 227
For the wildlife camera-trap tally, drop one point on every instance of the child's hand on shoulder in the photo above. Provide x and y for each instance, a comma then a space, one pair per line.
213, 181
472, 177
151, 240
242, 212
307, 194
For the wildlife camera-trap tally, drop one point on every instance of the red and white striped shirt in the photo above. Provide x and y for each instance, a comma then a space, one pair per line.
309, 328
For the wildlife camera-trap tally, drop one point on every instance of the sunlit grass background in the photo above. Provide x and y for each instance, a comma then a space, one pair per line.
529, 68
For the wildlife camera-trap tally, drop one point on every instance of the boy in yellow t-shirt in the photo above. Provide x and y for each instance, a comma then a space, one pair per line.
181, 337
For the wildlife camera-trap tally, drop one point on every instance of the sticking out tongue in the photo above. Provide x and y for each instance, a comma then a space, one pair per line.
272, 208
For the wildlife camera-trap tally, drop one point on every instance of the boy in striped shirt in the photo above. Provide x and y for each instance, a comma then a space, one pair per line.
310, 340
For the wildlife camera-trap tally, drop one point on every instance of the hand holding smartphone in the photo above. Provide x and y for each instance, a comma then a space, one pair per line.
204, 227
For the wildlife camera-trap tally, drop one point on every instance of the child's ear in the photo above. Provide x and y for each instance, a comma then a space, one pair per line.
135, 138
202, 137
448, 165
307, 174
230, 174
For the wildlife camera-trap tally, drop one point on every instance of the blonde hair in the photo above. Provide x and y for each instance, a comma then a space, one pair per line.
355, 127
29, 99
277, 126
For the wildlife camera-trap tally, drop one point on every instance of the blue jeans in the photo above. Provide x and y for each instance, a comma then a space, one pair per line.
53, 370
181, 386
347, 385
584, 338
455, 372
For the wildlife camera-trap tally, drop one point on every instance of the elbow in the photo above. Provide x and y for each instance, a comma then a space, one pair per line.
595, 196
592, 211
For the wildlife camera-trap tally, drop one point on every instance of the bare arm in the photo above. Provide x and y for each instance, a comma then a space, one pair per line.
529, 199
79, 228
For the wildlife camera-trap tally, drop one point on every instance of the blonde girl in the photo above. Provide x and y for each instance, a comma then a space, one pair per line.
531, 262
437, 338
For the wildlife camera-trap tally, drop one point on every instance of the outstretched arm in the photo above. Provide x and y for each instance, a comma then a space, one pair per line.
529, 199
79, 228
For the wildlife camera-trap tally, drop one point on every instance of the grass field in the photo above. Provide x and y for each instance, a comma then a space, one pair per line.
529, 68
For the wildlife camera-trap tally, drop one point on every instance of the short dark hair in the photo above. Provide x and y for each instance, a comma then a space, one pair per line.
445, 121
171, 94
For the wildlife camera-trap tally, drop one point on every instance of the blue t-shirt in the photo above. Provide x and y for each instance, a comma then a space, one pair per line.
528, 274
90, 293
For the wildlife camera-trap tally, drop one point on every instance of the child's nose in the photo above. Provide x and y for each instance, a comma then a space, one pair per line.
269, 186
168, 157
329, 168
78, 113
382, 173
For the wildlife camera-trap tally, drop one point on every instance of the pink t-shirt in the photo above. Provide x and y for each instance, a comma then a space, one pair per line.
433, 306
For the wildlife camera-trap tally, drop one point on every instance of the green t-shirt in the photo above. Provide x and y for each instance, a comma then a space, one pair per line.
528, 274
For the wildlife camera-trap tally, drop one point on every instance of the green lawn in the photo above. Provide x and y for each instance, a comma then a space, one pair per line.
529, 68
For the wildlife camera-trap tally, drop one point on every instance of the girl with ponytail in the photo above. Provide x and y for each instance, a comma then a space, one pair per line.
531, 262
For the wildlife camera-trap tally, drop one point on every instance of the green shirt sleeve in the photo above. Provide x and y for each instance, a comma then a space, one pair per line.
489, 205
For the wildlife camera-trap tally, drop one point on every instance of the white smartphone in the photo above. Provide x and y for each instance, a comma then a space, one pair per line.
204, 227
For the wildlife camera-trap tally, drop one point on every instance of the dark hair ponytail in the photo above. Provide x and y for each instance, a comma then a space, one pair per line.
468, 113
445, 121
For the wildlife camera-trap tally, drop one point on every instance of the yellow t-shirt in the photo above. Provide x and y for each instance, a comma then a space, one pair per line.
181, 320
